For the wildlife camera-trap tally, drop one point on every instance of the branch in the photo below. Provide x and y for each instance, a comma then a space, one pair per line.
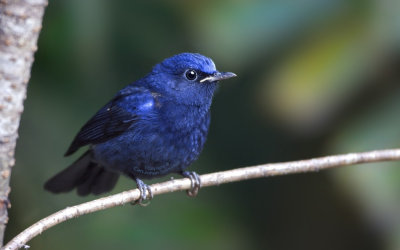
20, 23
213, 179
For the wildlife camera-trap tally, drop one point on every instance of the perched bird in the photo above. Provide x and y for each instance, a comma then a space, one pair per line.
152, 127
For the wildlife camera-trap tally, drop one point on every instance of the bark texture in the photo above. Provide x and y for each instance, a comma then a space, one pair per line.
20, 24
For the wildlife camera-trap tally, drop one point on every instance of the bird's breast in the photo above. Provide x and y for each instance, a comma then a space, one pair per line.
157, 146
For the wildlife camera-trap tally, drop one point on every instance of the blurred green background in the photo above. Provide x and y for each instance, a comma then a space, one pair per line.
315, 77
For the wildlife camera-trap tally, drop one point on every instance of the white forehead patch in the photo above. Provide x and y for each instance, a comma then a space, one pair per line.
209, 66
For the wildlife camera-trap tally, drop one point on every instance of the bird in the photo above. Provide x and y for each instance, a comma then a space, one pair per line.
153, 127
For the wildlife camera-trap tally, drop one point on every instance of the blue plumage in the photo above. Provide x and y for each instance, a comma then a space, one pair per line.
154, 126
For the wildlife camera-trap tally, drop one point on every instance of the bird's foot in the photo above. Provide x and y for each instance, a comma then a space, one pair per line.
144, 190
195, 183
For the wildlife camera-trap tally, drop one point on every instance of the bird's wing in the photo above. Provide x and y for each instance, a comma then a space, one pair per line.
110, 121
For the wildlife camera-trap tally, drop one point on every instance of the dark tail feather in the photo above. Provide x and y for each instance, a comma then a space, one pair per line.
85, 175
97, 180
104, 182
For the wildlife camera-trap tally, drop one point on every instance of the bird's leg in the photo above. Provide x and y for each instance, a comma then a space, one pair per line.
195, 182
143, 188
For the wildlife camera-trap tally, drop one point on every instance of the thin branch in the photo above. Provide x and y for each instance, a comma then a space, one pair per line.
212, 179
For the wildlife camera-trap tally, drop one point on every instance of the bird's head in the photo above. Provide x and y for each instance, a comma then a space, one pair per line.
187, 78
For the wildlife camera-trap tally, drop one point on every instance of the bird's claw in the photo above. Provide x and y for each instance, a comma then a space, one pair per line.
195, 183
144, 190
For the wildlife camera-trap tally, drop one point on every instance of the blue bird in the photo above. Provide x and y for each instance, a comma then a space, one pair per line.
152, 127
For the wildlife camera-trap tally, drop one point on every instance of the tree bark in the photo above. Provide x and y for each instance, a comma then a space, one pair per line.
20, 24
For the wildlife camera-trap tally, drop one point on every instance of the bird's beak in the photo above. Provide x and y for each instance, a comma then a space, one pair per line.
218, 76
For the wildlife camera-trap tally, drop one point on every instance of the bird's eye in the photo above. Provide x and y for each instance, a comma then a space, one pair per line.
191, 74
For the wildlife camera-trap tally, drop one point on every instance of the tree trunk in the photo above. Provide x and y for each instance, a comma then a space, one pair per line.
20, 23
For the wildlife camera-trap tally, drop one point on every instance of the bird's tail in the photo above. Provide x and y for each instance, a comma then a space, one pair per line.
85, 175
